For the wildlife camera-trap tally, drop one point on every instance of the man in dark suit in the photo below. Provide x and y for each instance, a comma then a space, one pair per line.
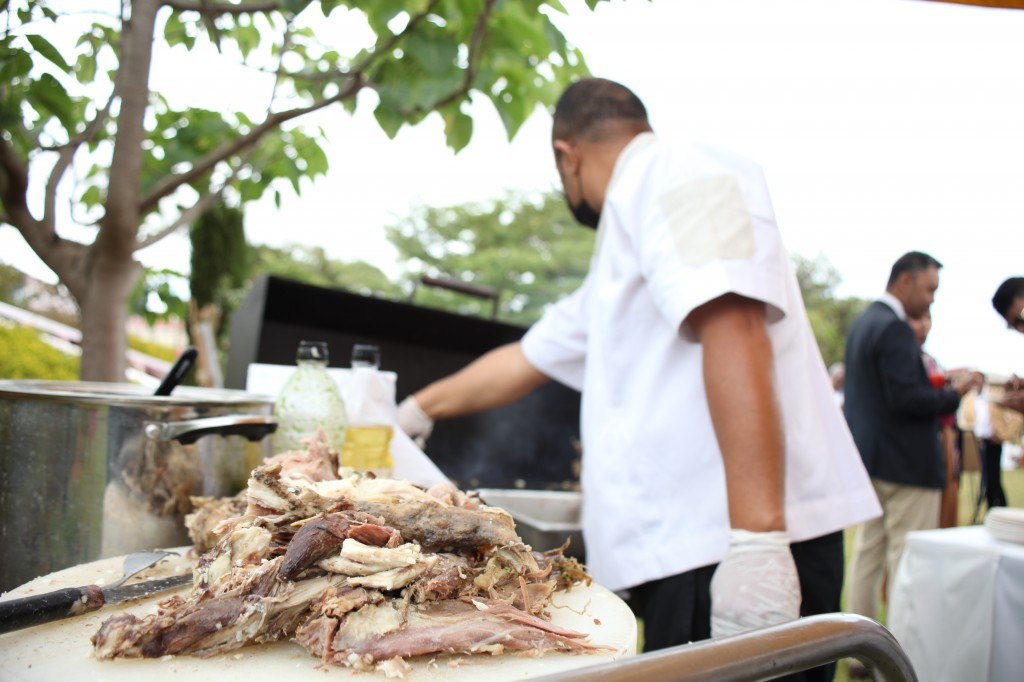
892, 410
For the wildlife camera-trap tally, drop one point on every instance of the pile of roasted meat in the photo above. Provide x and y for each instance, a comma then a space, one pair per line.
361, 571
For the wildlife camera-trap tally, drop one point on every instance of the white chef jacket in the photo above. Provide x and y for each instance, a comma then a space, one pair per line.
681, 227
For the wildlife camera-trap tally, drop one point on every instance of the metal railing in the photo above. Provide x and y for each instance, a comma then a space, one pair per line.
762, 655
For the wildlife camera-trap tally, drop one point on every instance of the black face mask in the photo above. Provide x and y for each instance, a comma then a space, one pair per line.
585, 214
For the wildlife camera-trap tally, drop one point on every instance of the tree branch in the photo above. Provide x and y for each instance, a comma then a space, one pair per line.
60, 255
186, 217
219, 8
14, 186
205, 202
226, 150
121, 220
66, 154
356, 80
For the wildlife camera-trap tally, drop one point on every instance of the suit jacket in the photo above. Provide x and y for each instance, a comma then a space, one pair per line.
890, 405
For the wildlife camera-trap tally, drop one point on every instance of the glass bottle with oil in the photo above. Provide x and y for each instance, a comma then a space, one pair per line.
367, 446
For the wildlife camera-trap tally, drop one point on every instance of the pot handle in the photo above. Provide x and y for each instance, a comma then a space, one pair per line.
253, 427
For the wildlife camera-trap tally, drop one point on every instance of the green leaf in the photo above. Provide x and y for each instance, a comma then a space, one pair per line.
174, 30
388, 120
296, 6
44, 48
248, 39
91, 197
15, 64
49, 96
85, 69
434, 52
458, 128
522, 31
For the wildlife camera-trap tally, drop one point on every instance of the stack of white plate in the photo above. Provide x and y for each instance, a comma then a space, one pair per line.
1005, 523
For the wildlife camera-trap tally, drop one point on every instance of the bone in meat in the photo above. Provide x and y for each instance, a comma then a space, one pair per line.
436, 526
440, 627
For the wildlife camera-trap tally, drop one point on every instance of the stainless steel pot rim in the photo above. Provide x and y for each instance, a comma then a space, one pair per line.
124, 394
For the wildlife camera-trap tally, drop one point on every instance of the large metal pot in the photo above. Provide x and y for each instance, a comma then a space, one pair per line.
90, 470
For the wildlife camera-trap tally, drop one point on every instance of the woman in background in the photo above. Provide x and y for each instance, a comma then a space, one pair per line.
949, 506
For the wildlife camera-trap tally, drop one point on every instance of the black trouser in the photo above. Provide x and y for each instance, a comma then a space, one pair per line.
992, 473
677, 609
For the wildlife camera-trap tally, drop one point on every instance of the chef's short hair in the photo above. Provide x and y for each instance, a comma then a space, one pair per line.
912, 262
1008, 291
588, 103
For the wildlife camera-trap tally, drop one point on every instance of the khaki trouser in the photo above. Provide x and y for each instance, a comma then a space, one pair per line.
878, 543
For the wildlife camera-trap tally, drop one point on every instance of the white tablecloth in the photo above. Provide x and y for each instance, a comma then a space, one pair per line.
957, 606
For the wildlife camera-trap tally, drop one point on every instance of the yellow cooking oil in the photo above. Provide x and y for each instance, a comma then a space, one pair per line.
368, 448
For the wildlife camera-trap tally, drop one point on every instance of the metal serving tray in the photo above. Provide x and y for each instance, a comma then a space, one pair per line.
544, 518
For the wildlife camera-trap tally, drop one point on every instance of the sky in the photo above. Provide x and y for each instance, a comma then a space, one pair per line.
883, 126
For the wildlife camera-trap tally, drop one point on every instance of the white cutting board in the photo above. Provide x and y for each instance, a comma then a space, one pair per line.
56, 650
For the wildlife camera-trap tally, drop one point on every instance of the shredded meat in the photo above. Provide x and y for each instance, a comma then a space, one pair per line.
360, 571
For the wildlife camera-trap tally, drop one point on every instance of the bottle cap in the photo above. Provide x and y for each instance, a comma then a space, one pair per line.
315, 351
365, 355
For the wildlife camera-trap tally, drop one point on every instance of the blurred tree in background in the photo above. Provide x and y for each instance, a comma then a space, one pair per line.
530, 250
221, 259
830, 315
158, 295
526, 247
312, 265
77, 112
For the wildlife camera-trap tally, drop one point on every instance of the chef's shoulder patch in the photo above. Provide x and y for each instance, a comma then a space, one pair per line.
709, 220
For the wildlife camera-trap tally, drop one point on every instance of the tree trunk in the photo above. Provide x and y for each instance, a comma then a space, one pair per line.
112, 268
104, 306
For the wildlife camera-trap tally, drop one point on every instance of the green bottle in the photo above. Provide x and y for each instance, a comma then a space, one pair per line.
309, 399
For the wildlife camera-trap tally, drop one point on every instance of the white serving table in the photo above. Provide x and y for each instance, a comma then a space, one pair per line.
957, 605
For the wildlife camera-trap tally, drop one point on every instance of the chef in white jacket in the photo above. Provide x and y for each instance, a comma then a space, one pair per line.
711, 443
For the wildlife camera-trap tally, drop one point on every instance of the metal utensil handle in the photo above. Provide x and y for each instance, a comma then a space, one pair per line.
178, 371
25, 612
253, 427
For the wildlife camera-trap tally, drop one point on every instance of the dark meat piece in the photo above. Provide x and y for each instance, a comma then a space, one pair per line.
323, 535
314, 540
258, 608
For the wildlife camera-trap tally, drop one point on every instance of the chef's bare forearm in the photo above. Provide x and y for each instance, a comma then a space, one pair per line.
740, 385
494, 379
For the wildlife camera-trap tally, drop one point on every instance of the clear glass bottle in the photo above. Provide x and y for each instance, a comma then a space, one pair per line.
309, 399
367, 446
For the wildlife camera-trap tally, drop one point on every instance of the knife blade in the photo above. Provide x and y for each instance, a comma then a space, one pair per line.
117, 595
37, 609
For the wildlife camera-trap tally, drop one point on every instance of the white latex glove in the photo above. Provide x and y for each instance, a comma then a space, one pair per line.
756, 585
414, 421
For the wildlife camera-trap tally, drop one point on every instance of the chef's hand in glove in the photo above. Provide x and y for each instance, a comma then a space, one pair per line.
756, 585
414, 421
